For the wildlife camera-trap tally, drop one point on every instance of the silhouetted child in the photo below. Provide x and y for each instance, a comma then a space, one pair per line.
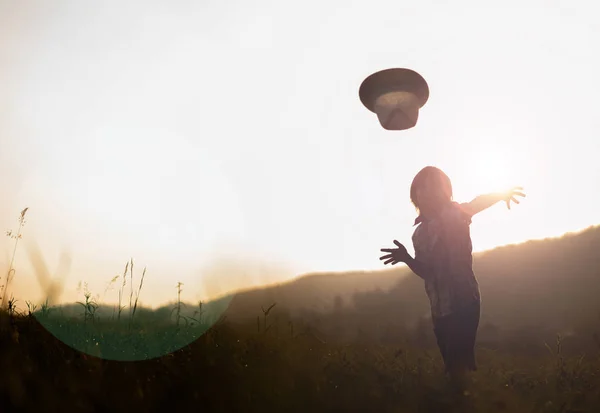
443, 258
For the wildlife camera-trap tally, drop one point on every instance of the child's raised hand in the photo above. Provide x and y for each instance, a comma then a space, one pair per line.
511, 194
395, 255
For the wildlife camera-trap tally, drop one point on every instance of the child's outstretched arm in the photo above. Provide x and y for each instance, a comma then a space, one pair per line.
483, 202
399, 254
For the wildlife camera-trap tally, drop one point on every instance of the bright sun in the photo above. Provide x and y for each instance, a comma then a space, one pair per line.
490, 169
492, 173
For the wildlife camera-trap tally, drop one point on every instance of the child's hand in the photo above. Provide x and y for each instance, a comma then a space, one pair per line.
395, 255
511, 194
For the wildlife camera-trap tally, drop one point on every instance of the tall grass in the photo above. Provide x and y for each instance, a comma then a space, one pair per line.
137, 295
11, 270
121, 307
134, 294
89, 306
178, 304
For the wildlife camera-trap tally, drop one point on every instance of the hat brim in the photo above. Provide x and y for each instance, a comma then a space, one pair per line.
391, 80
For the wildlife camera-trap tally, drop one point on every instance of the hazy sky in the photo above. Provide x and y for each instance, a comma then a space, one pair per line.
192, 134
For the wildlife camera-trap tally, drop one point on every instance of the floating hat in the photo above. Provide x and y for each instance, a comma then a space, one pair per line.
395, 95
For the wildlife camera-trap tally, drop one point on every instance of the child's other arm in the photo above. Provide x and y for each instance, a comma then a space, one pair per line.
483, 202
418, 267
399, 254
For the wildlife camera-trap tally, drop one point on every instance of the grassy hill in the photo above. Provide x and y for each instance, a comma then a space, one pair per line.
551, 285
530, 292
333, 342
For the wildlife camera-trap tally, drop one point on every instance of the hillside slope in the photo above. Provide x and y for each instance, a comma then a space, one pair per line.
551, 282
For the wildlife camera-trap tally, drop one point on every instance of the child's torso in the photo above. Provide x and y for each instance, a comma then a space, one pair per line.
444, 243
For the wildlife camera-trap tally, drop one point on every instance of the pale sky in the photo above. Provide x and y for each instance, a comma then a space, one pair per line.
189, 134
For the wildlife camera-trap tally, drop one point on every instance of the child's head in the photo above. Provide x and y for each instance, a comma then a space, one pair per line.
431, 189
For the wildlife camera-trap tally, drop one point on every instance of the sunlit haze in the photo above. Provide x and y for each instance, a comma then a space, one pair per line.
223, 144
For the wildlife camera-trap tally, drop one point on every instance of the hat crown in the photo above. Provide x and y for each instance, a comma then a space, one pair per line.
395, 95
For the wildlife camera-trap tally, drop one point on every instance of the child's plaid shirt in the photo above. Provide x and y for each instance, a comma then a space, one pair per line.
444, 245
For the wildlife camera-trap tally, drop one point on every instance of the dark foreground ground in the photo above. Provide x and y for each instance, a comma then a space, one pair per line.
237, 369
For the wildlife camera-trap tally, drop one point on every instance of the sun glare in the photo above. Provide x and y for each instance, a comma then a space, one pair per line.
491, 169
491, 173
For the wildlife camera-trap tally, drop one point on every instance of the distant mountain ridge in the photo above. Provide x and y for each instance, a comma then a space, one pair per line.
554, 281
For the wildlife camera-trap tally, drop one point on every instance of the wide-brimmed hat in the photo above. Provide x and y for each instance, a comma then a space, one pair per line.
395, 95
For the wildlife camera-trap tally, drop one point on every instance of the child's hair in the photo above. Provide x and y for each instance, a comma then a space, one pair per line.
431, 176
